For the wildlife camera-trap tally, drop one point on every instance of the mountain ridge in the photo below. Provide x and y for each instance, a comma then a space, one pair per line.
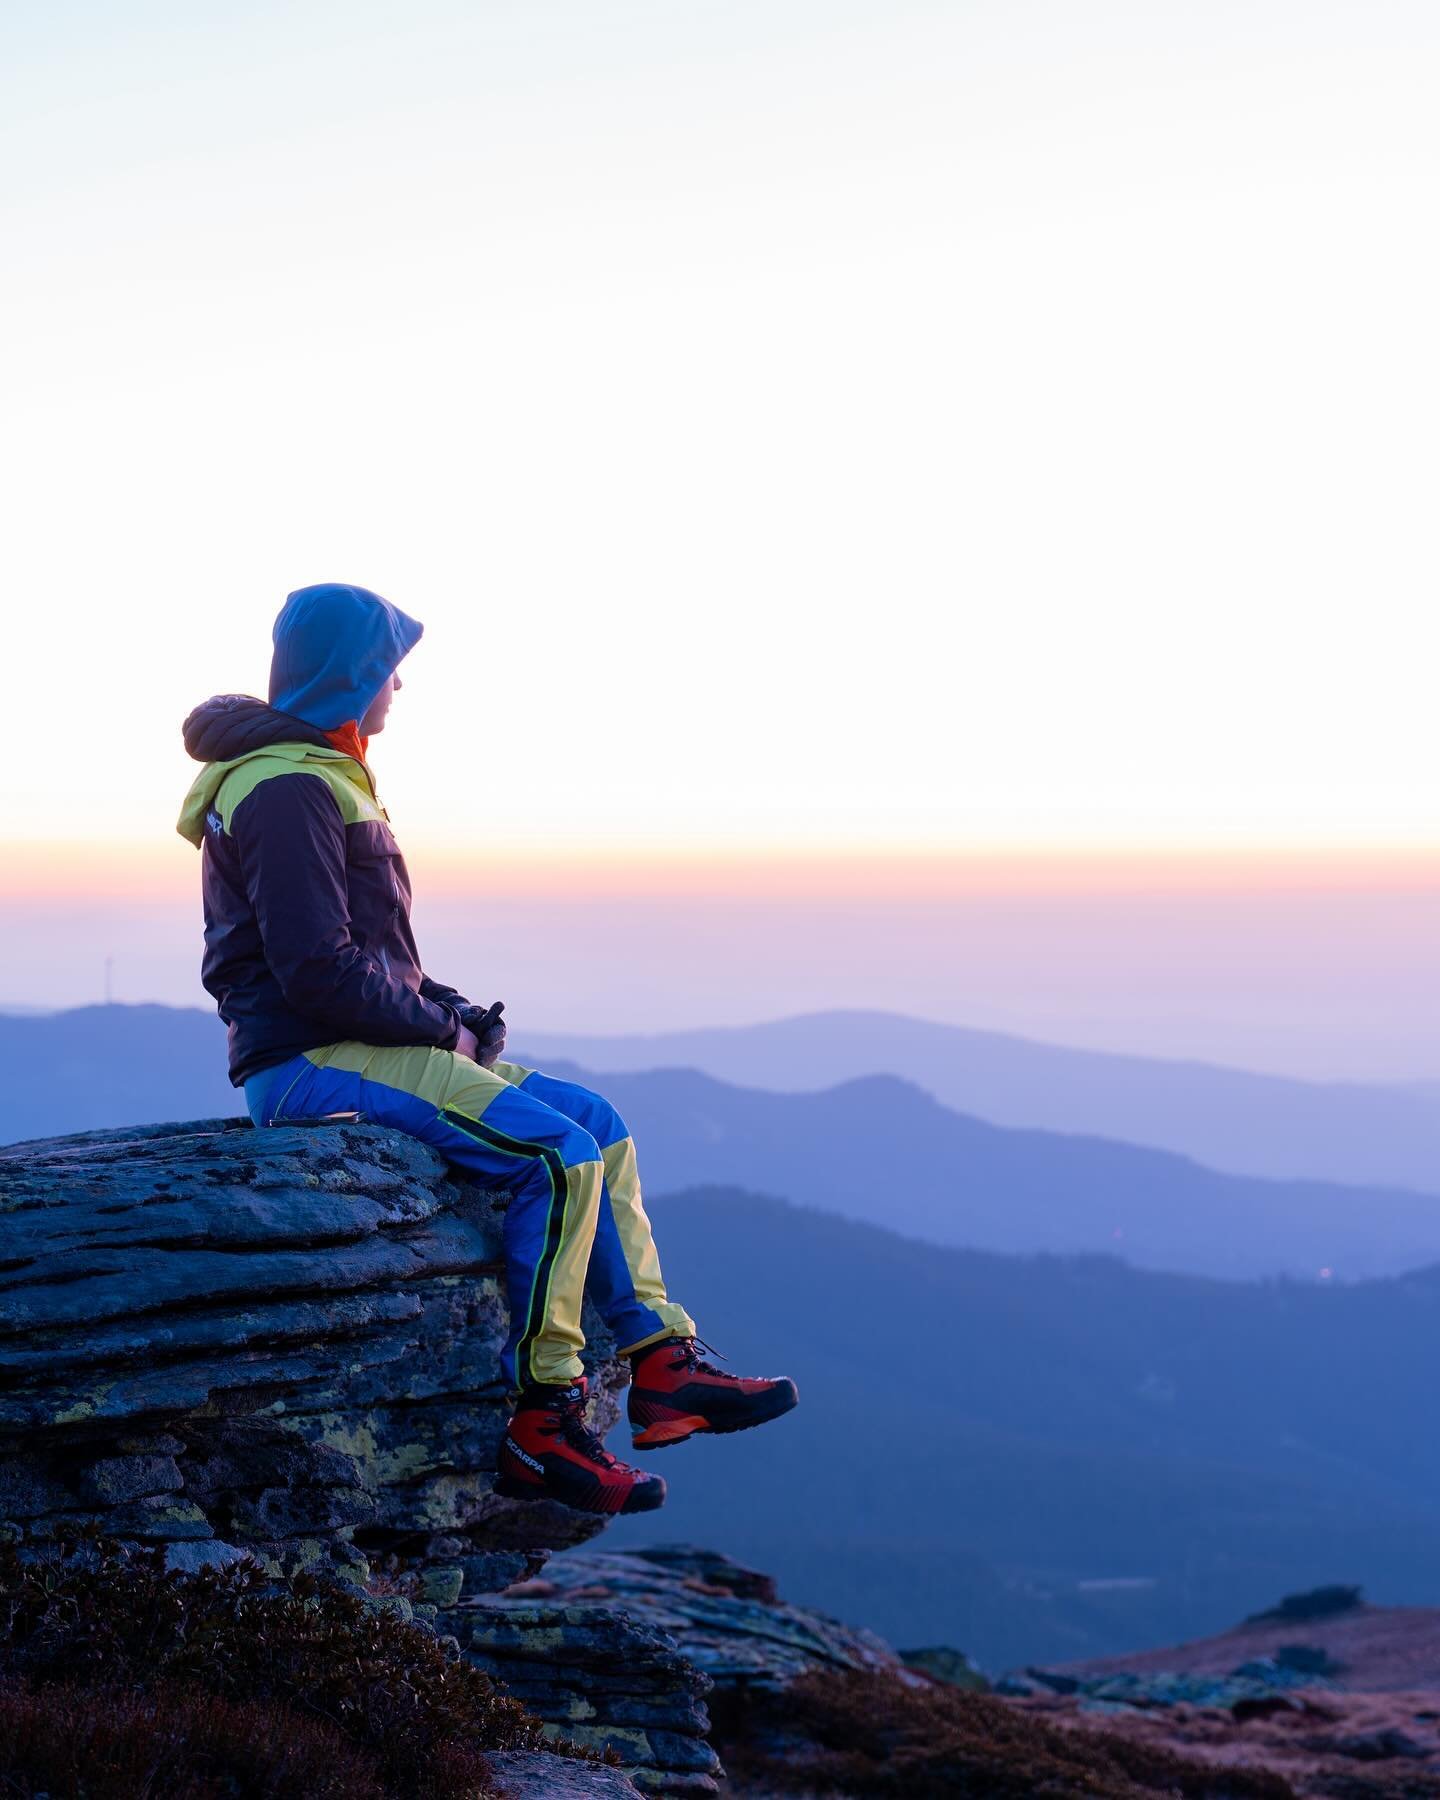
1229, 1118
883, 1150
879, 1147
981, 1439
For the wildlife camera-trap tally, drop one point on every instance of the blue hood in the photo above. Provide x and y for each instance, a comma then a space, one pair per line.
335, 647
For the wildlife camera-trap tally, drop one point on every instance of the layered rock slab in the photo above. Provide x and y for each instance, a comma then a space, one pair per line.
696, 1631
599, 1678
285, 1342
728, 1620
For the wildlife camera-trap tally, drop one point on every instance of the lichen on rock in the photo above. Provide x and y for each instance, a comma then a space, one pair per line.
285, 1344
275, 1340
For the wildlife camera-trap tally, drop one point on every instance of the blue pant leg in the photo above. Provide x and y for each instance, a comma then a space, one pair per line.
266, 1093
549, 1163
635, 1317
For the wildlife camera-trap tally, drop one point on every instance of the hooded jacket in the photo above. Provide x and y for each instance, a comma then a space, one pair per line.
307, 897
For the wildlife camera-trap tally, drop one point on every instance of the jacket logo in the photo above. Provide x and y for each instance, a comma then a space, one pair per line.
214, 824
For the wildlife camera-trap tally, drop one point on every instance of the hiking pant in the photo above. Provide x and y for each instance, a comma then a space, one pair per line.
576, 1223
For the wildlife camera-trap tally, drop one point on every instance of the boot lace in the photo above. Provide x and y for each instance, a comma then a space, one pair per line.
577, 1434
689, 1355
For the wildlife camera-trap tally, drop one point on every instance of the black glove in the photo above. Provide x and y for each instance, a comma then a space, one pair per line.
488, 1027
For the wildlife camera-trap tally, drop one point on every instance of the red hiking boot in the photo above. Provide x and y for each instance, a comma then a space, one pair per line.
549, 1453
674, 1393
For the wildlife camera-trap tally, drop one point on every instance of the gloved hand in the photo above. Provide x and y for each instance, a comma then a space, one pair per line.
489, 1029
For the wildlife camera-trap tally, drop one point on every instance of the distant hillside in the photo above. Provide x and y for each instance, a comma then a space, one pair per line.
1227, 1118
1377, 1709
1049, 1458
882, 1151
99, 1066
877, 1149
1394, 1649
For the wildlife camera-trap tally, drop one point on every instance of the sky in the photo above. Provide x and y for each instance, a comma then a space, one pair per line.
815, 436
1302, 965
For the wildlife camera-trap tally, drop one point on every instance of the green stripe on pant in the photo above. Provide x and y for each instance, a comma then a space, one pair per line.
538, 1137
539, 1308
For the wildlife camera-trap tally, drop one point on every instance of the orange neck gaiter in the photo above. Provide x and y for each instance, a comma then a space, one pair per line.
347, 739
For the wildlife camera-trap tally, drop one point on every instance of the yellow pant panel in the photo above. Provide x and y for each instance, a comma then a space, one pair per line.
637, 1238
454, 1084
440, 1077
678, 1323
555, 1352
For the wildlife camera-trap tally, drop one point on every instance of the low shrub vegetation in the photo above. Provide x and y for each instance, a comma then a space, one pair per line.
1315, 1603
216, 1678
858, 1734
119, 1744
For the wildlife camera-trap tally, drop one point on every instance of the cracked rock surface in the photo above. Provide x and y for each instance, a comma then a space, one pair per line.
286, 1344
727, 1619
696, 1633
528, 1775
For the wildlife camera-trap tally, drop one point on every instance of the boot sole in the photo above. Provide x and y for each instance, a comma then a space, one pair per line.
675, 1431
648, 1498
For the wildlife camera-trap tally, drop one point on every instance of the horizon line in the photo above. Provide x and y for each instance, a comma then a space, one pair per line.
69, 870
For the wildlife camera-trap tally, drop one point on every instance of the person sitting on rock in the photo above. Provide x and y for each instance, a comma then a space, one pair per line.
311, 960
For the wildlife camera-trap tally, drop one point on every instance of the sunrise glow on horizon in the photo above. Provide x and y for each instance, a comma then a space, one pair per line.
42, 869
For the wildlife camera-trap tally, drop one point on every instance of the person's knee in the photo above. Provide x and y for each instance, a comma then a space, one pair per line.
578, 1145
543, 1132
589, 1110
600, 1118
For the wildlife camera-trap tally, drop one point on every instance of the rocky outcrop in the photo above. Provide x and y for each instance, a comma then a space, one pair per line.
694, 1632
525, 1775
285, 1344
1249, 1691
728, 1620
942, 1662
600, 1677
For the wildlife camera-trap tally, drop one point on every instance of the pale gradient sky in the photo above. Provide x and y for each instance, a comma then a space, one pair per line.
801, 425
796, 421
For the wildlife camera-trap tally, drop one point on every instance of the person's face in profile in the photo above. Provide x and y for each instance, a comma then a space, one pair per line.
379, 708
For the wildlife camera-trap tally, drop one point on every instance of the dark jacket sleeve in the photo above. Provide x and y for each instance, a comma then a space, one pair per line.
290, 839
442, 995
